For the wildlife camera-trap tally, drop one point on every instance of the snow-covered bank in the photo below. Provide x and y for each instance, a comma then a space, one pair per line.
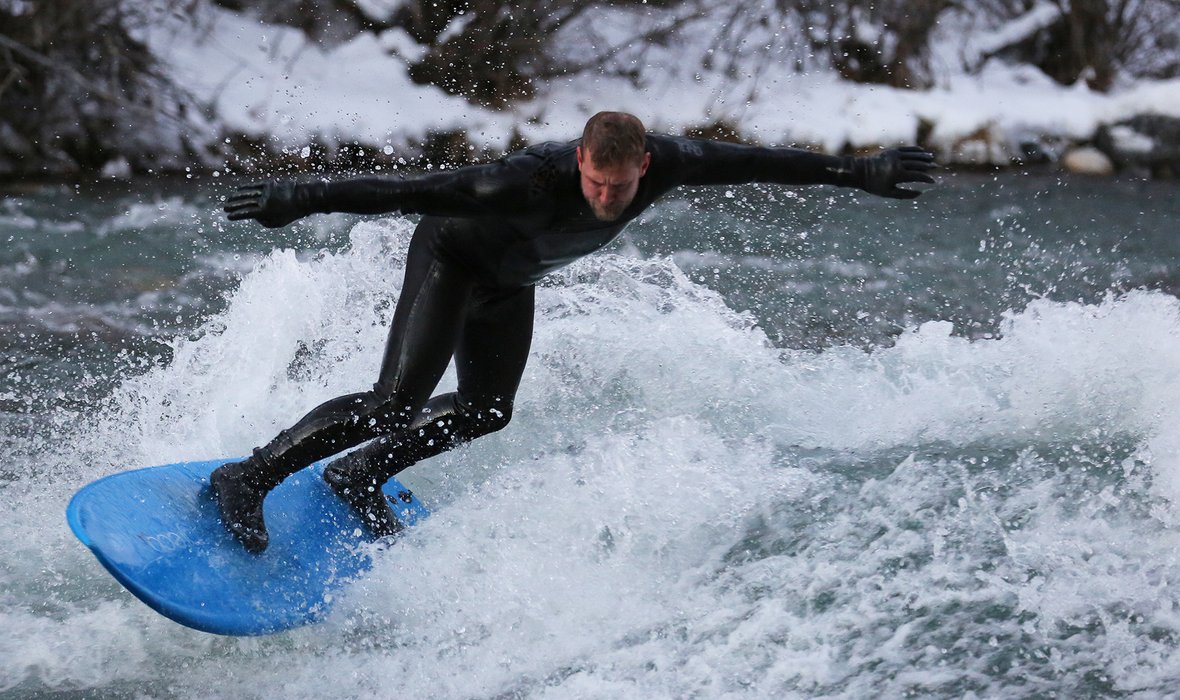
198, 85
274, 85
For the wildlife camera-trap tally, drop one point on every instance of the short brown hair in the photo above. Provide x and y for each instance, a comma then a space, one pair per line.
612, 139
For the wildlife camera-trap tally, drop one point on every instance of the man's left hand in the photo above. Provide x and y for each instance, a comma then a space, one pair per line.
885, 171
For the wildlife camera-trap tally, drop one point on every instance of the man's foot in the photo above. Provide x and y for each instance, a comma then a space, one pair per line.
240, 504
363, 494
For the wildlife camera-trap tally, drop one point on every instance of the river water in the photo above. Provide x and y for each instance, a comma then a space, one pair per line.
773, 443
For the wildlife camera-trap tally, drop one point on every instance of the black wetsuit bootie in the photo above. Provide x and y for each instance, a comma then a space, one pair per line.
354, 482
240, 488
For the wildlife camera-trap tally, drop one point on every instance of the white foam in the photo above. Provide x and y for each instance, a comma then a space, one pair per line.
170, 211
678, 508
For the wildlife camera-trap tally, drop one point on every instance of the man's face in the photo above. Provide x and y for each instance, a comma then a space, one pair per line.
608, 191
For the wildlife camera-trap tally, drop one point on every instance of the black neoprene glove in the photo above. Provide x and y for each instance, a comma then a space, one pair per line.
275, 203
881, 174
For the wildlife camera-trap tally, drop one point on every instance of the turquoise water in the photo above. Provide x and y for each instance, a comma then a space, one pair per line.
773, 443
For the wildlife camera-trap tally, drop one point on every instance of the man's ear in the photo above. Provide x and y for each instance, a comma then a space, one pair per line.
643, 167
578, 151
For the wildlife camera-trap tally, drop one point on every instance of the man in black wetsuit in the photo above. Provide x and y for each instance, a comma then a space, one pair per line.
487, 235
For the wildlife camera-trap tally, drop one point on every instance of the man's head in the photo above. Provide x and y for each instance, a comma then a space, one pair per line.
612, 158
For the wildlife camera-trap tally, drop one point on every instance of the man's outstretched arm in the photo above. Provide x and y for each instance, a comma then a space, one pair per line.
719, 163
499, 188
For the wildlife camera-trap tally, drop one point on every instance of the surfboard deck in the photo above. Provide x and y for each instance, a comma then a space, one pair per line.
157, 531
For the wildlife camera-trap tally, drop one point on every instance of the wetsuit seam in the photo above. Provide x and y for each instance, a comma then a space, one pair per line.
429, 283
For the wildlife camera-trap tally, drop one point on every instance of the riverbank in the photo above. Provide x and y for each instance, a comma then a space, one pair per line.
270, 98
284, 101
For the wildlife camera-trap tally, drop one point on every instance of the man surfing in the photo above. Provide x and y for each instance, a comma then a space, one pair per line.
488, 234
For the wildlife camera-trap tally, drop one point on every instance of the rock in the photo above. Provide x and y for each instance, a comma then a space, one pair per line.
1149, 142
117, 169
983, 147
1087, 160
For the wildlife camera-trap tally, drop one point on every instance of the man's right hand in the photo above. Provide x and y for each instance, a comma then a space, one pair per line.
273, 203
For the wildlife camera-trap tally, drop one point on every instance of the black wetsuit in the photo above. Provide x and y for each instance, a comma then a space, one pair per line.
489, 233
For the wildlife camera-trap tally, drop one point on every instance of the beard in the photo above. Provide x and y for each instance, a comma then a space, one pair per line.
608, 212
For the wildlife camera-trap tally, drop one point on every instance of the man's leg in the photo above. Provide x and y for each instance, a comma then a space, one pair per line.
422, 338
490, 359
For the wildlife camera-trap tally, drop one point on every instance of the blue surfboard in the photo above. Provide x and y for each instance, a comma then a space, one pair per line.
157, 531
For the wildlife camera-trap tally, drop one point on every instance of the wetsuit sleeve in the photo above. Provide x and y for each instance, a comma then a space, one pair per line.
718, 163
496, 189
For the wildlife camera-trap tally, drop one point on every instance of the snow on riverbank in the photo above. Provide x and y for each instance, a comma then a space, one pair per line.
271, 82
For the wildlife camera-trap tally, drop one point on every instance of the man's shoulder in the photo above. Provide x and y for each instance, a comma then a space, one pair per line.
545, 166
548, 150
674, 148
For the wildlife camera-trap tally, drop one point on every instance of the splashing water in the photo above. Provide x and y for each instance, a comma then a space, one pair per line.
679, 508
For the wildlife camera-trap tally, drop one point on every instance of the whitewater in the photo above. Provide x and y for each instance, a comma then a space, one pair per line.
685, 504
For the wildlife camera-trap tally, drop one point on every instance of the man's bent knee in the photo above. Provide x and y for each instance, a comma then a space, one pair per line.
378, 412
463, 419
492, 417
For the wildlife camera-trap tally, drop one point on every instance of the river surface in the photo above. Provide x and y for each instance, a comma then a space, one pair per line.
772, 443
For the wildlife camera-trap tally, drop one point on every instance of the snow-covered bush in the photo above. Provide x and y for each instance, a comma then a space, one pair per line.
78, 90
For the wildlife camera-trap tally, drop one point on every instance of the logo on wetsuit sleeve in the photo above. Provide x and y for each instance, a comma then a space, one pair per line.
691, 148
542, 179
